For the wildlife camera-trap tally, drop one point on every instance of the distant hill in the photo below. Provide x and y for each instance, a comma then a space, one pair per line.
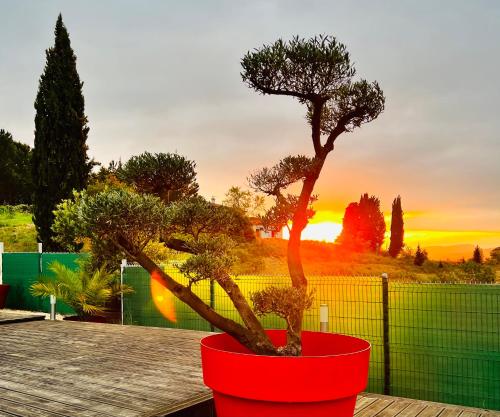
454, 252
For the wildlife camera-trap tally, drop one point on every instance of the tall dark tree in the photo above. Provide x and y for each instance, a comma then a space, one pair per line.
60, 162
167, 175
477, 255
16, 186
397, 228
363, 226
420, 256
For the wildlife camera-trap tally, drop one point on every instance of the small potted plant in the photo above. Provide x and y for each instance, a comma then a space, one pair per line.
254, 372
87, 292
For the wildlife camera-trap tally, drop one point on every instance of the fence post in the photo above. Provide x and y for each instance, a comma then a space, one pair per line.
323, 318
53, 301
1, 262
40, 263
212, 301
122, 269
385, 316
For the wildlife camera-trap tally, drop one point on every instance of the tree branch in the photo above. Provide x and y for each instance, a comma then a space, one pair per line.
254, 341
317, 110
277, 92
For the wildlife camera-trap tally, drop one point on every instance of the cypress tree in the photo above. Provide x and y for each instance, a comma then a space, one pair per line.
397, 228
477, 255
60, 162
420, 256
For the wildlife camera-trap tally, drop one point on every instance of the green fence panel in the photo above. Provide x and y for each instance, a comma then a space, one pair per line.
20, 270
445, 343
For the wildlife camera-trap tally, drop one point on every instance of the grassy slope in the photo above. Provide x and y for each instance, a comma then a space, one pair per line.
321, 258
17, 231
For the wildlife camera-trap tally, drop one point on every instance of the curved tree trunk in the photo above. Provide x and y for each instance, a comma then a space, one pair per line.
257, 341
294, 259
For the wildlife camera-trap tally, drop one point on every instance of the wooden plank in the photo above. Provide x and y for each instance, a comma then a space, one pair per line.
450, 412
373, 409
431, 411
412, 410
394, 408
467, 413
9, 318
362, 403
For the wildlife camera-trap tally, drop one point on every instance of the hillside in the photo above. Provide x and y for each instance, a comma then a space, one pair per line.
321, 258
453, 252
17, 230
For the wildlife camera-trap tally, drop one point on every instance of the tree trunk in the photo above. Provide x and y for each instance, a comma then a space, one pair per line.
245, 311
257, 342
294, 259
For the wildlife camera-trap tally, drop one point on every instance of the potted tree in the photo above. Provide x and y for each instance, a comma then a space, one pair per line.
254, 372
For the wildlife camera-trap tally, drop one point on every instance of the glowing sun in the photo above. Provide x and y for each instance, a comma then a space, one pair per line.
324, 231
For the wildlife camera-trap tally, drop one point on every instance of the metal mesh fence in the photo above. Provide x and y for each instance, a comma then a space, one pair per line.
20, 270
442, 341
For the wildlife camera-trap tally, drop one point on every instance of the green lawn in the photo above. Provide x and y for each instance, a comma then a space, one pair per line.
17, 231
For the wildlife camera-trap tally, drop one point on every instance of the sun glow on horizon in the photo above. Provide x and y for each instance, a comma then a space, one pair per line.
326, 231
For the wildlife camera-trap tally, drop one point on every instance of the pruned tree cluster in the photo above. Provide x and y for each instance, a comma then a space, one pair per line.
317, 72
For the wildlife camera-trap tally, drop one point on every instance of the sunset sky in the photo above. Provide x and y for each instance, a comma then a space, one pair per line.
163, 76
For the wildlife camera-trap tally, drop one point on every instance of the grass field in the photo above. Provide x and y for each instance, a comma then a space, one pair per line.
17, 230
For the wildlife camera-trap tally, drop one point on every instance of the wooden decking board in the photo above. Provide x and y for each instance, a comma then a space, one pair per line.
373, 409
393, 409
413, 410
431, 411
450, 412
53, 369
7, 317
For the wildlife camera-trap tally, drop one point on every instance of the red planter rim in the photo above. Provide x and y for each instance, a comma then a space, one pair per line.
210, 342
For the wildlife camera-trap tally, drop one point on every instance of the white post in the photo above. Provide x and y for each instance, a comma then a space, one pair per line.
53, 307
122, 268
323, 318
40, 251
1, 263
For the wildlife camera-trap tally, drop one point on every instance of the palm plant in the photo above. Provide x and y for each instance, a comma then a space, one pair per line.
86, 292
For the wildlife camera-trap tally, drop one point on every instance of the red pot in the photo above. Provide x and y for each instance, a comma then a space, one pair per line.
323, 382
4, 290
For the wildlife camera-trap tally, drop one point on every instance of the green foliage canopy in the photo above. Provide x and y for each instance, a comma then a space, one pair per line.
167, 175
363, 226
16, 186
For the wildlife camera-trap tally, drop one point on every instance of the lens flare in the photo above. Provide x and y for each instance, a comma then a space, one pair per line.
163, 298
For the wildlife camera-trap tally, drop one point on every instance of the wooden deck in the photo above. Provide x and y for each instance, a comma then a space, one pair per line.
54, 368
15, 317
